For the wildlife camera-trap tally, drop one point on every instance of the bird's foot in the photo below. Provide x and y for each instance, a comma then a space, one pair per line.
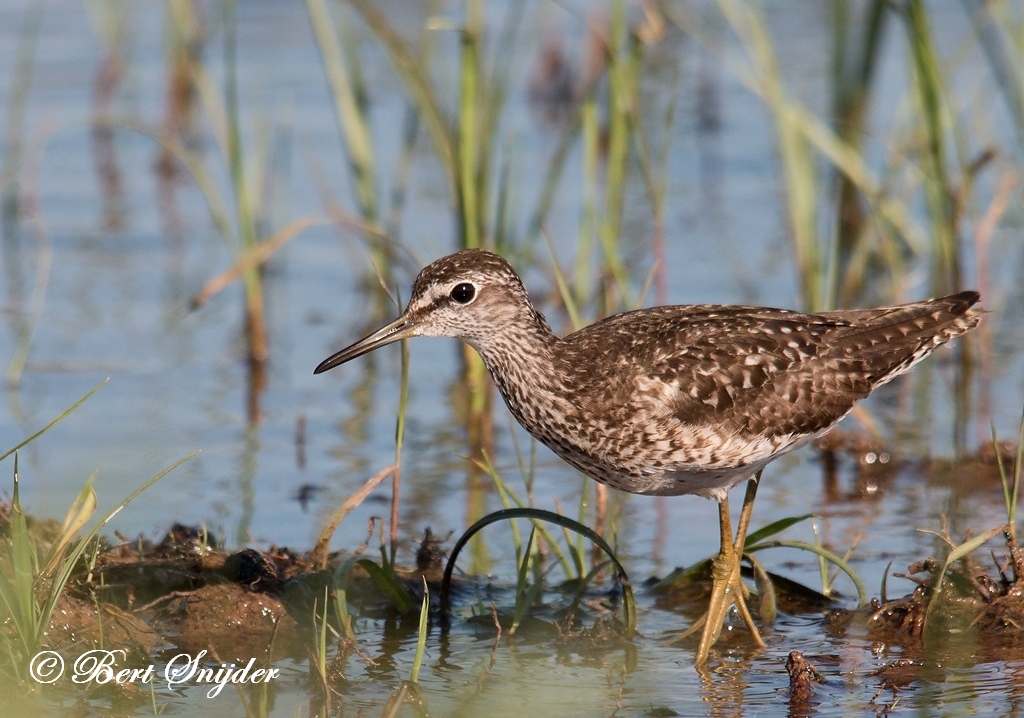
727, 587
727, 590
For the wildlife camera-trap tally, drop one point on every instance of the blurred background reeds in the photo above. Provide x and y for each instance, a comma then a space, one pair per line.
202, 200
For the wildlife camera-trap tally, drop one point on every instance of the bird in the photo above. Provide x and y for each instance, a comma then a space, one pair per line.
672, 400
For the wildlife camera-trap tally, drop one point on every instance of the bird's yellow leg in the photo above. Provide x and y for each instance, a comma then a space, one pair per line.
748, 508
721, 574
741, 537
727, 587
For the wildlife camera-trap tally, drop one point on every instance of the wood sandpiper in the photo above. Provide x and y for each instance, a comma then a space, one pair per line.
678, 399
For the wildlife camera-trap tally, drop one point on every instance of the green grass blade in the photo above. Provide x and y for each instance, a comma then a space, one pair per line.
77, 517
955, 555
321, 639
340, 582
524, 594
10, 597
65, 414
883, 592
421, 635
563, 287
625, 53
352, 121
389, 586
590, 131
23, 570
507, 498
938, 187
1010, 483
469, 89
1018, 465
842, 565
773, 528
341, 613
768, 605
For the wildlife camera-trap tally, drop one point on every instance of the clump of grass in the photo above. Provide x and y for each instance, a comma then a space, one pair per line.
38, 574
992, 592
956, 553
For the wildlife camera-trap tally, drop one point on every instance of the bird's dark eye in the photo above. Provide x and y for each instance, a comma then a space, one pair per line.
463, 293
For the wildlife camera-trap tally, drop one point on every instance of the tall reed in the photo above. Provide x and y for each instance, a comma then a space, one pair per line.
16, 107
256, 327
342, 67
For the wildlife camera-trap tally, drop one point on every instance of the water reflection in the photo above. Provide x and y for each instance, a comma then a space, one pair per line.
723, 688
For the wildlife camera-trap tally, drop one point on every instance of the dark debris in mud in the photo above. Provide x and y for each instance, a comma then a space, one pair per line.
607, 634
803, 680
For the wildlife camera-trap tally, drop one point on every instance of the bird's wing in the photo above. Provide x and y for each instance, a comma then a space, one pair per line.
770, 372
759, 372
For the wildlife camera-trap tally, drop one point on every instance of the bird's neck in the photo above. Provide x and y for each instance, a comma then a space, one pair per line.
522, 343
523, 360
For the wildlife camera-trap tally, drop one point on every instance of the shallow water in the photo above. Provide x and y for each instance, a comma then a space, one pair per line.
127, 255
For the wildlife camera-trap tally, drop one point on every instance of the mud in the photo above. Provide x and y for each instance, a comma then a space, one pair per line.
184, 592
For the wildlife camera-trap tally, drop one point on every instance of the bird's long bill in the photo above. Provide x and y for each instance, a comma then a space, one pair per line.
393, 332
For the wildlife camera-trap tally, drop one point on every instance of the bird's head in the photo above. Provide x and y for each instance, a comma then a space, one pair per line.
469, 295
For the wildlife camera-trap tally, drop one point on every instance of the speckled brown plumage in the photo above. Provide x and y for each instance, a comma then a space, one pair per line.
670, 400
